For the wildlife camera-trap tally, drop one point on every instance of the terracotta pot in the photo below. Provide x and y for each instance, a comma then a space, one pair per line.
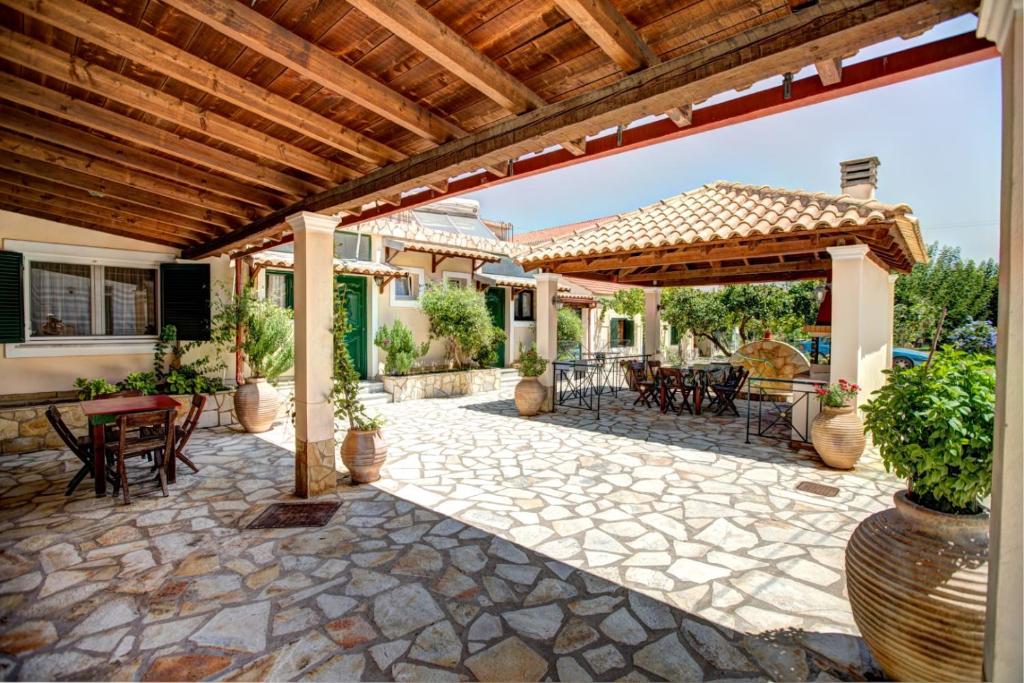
838, 436
256, 404
363, 453
917, 582
530, 395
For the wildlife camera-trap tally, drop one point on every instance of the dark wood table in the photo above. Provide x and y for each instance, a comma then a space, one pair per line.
104, 411
700, 370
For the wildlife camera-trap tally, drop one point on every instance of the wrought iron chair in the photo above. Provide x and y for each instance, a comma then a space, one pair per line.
723, 394
141, 435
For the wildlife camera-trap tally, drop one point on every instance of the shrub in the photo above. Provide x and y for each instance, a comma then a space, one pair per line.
569, 332
977, 336
139, 381
88, 389
179, 377
268, 340
530, 362
487, 356
345, 389
933, 427
397, 342
459, 316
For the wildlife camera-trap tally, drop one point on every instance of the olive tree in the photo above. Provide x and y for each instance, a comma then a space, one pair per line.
459, 316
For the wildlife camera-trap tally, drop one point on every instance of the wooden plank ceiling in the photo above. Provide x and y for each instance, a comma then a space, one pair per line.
201, 124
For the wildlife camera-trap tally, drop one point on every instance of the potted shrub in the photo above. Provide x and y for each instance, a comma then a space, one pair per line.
396, 341
363, 451
268, 347
459, 316
837, 431
530, 393
917, 573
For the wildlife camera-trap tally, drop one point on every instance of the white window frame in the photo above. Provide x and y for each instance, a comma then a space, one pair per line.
90, 345
419, 283
524, 323
454, 275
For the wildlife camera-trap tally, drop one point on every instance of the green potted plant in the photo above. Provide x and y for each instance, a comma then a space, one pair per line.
459, 316
530, 394
396, 341
268, 347
917, 573
363, 451
837, 432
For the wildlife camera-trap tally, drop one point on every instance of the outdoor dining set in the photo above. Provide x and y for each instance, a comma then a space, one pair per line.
687, 388
126, 425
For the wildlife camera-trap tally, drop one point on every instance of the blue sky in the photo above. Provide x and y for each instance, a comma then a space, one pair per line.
937, 138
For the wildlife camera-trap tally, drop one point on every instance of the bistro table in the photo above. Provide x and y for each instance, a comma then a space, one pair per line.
700, 371
105, 411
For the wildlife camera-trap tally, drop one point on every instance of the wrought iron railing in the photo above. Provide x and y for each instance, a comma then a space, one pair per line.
784, 408
581, 382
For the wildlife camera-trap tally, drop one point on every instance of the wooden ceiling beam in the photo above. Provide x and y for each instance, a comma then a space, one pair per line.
87, 222
65, 67
260, 34
786, 44
680, 278
830, 71
419, 28
37, 188
103, 187
123, 169
99, 28
130, 226
611, 31
66, 107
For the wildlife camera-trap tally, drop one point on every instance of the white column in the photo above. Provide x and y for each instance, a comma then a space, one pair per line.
861, 319
652, 323
546, 314
374, 312
587, 315
1003, 22
892, 318
511, 348
314, 353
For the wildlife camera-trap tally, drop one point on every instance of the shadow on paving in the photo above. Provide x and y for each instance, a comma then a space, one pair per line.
176, 588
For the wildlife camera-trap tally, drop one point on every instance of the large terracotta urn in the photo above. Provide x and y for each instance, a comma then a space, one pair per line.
256, 404
838, 436
530, 395
363, 453
917, 582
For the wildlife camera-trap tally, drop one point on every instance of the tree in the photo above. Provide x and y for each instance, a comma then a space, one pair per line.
700, 312
752, 309
570, 331
459, 316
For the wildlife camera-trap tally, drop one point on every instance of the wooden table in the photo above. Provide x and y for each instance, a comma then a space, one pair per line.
700, 372
104, 411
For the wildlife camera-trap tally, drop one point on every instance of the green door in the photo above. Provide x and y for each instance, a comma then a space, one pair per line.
496, 305
356, 307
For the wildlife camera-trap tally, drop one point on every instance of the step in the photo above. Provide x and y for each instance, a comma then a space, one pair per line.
374, 399
370, 387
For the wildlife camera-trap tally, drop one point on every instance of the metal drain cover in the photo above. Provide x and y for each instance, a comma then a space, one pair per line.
818, 489
285, 515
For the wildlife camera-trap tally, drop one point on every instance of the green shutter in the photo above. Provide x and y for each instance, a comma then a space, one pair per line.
674, 335
185, 299
12, 298
627, 333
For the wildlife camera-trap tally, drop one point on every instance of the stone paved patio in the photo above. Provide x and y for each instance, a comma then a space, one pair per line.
637, 546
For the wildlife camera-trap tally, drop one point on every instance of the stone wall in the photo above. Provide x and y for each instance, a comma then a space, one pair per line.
442, 384
24, 429
771, 359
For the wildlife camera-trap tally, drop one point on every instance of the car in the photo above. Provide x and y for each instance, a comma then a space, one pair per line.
901, 357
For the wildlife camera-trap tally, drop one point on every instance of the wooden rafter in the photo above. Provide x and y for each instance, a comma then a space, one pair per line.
830, 71
120, 38
256, 32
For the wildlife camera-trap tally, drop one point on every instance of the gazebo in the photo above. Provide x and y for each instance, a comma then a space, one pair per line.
725, 233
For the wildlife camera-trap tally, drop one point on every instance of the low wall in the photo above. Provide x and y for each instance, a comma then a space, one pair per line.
442, 384
25, 428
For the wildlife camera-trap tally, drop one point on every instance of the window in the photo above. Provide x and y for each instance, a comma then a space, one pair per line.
524, 305
281, 288
456, 279
79, 300
621, 332
405, 289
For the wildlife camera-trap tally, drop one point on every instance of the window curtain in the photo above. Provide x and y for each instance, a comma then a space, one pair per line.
129, 301
60, 299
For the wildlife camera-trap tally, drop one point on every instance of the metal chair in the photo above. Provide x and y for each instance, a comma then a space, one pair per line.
144, 434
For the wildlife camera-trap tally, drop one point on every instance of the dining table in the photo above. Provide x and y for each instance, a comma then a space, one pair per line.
103, 412
700, 370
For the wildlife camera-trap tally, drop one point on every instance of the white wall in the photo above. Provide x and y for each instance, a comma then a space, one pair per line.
50, 374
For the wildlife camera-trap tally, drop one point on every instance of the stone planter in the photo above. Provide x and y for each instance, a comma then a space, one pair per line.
442, 384
256, 404
363, 453
838, 436
917, 582
530, 395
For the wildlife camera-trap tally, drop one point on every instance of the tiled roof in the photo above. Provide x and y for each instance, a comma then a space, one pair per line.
724, 210
282, 259
512, 281
595, 287
558, 231
405, 226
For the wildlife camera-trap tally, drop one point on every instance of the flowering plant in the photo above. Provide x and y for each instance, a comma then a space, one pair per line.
837, 395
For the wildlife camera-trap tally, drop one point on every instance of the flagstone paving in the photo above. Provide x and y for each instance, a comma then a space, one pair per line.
564, 547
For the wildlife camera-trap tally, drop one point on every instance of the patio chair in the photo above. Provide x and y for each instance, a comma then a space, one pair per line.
652, 369
140, 435
80, 446
678, 385
183, 432
644, 387
723, 394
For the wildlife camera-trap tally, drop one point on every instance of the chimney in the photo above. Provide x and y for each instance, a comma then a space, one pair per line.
859, 177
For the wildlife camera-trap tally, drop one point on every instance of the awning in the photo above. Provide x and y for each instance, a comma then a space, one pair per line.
394, 247
511, 281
